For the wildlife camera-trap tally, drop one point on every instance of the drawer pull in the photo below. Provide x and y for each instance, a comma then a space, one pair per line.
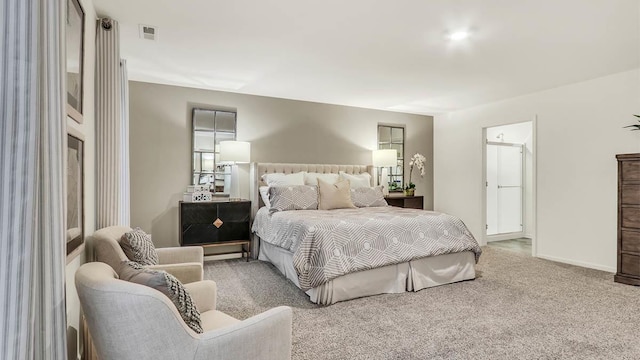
218, 223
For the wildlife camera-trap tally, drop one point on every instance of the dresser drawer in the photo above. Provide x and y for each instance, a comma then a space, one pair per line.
630, 194
630, 264
630, 171
630, 241
631, 217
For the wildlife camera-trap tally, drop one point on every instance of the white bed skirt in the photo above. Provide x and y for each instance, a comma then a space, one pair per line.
392, 279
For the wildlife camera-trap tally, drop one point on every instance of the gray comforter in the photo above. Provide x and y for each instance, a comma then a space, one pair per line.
330, 243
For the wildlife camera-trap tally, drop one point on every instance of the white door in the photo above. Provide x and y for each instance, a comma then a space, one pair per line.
504, 189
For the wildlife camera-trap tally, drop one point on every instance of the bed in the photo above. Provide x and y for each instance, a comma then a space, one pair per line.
337, 255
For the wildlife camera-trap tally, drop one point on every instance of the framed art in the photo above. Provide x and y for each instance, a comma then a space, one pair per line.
75, 193
75, 59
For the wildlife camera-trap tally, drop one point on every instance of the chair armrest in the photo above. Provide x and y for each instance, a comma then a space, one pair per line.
203, 293
186, 272
265, 336
177, 255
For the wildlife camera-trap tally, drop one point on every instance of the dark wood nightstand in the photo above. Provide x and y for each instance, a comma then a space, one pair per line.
216, 223
412, 202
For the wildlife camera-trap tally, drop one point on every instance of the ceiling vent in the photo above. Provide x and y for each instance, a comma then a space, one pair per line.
148, 32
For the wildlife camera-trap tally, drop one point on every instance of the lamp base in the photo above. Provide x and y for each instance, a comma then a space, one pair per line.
384, 178
234, 186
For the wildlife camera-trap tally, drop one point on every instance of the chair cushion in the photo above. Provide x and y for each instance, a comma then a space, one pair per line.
166, 284
138, 247
214, 319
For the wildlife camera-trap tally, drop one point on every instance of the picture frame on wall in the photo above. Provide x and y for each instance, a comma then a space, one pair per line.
75, 193
75, 59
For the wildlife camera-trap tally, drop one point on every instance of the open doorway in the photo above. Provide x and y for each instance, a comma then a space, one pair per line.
509, 187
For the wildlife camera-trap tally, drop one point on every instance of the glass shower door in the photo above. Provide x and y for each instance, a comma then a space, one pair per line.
504, 188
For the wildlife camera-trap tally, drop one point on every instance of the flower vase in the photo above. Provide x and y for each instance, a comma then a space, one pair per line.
409, 192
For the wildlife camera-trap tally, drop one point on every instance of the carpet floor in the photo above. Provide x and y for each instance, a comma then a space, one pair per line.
518, 307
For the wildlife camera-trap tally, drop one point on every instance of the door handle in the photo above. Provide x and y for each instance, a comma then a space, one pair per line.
508, 186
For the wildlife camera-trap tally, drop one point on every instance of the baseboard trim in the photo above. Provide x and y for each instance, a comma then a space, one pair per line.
223, 256
577, 263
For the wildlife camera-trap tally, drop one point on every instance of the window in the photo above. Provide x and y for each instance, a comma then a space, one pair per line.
392, 137
210, 127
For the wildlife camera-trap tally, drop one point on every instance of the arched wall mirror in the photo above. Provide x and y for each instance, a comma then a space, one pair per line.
210, 127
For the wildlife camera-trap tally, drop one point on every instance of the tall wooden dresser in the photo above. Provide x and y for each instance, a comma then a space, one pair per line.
628, 219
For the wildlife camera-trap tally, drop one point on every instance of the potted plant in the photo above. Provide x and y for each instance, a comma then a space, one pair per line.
418, 161
634, 126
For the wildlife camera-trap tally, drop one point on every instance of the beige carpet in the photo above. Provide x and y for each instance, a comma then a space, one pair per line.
518, 308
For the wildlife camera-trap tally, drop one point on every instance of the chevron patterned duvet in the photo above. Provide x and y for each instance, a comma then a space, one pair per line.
331, 243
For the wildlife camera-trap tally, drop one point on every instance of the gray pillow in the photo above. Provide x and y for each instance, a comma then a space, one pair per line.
368, 197
166, 284
138, 247
293, 197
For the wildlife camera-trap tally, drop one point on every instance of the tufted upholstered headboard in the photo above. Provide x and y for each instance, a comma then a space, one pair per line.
258, 169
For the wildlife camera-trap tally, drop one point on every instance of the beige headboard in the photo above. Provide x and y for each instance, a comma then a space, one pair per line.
258, 169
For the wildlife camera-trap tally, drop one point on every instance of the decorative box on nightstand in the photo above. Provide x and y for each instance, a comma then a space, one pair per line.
216, 223
412, 202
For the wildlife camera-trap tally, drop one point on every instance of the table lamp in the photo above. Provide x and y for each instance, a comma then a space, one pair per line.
385, 158
233, 153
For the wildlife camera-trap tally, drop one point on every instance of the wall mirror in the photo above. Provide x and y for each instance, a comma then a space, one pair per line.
75, 193
75, 54
210, 127
392, 137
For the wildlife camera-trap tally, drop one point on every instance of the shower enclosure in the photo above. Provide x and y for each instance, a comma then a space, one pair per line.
505, 188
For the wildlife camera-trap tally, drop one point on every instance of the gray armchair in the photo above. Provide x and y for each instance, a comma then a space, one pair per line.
131, 321
185, 263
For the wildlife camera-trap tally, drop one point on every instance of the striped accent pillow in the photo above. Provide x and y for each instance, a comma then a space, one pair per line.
368, 197
138, 247
166, 284
293, 197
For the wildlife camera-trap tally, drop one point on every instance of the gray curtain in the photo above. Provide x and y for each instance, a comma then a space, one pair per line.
112, 126
32, 208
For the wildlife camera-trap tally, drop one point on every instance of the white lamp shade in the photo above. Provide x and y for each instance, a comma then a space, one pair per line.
385, 157
235, 152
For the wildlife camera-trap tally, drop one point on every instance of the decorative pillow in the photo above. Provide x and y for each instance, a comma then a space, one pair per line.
312, 178
334, 196
280, 179
264, 194
138, 247
166, 284
368, 197
300, 197
357, 181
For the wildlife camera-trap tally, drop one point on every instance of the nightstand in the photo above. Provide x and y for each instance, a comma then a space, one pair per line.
216, 223
412, 202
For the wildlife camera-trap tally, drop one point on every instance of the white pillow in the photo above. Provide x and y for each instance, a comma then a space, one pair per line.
264, 194
312, 178
280, 179
357, 181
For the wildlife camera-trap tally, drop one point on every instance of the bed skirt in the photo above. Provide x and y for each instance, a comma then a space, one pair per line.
413, 275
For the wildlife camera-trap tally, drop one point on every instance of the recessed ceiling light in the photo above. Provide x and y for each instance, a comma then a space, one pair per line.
459, 35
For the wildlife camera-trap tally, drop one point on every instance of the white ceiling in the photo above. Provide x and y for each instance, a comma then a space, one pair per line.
391, 55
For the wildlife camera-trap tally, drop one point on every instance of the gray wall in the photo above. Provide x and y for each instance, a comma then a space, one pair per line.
279, 131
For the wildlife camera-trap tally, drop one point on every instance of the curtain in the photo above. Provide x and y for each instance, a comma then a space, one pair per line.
32, 208
125, 197
112, 126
